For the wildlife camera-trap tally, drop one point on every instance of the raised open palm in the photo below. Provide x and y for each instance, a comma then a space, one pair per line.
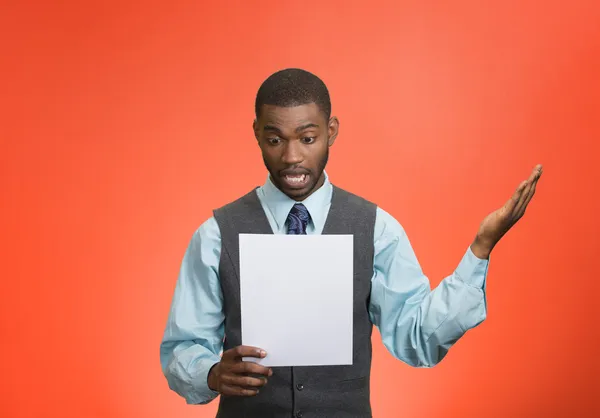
497, 223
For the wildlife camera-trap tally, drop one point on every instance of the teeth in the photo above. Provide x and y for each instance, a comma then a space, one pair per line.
296, 179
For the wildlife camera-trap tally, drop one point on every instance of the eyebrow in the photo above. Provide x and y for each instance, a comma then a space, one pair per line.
298, 129
306, 126
271, 128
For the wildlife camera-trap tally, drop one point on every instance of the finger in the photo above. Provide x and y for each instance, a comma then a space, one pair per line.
244, 381
512, 202
244, 351
515, 204
522, 199
250, 367
534, 173
531, 192
522, 210
229, 390
528, 193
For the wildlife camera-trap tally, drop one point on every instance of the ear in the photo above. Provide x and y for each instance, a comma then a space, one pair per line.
255, 129
332, 129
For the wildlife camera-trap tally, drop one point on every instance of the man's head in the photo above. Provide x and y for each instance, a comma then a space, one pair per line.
294, 130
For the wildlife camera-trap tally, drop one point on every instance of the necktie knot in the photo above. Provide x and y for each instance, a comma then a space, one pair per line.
298, 219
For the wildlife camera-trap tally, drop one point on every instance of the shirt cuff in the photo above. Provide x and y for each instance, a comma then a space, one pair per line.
473, 270
202, 394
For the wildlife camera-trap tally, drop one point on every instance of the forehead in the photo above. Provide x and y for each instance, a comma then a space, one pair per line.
291, 116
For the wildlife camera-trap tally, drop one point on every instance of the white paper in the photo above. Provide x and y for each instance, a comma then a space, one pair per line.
296, 298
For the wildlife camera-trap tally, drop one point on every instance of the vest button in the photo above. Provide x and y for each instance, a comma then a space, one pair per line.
299, 414
299, 386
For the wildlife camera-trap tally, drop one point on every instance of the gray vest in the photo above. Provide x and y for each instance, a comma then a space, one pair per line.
313, 391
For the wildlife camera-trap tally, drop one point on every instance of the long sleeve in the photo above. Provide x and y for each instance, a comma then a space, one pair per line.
417, 325
193, 338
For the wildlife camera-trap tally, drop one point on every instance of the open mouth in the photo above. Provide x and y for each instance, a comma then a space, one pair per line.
295, 181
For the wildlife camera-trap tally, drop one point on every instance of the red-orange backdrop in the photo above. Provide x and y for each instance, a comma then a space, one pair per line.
124, 123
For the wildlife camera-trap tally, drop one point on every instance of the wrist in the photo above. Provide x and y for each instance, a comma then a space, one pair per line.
481, 248
212, 378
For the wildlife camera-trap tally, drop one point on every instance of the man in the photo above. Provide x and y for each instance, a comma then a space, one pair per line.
294, 130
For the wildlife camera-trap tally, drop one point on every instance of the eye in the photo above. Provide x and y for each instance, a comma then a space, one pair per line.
308, 139
273, 141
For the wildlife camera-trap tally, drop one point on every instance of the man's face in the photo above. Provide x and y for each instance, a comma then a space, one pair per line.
295, 145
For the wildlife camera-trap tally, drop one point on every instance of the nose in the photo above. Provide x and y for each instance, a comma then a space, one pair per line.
292, 153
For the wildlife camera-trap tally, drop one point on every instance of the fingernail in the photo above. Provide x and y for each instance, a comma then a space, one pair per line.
270, 372
263, 353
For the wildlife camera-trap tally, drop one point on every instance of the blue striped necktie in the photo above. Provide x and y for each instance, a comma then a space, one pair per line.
298, 219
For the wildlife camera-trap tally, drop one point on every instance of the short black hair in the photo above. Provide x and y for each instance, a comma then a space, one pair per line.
293, 87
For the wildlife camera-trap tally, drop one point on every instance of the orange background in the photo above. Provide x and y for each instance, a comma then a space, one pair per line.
124, 123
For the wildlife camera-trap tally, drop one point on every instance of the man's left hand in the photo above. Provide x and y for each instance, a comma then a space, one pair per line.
497, 223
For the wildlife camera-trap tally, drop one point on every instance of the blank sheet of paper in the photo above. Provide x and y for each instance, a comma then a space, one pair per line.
296, 298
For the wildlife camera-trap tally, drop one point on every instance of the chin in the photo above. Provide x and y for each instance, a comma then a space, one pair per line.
296, 193
299, 194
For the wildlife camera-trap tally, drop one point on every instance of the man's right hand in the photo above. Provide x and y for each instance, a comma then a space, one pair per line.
231, 375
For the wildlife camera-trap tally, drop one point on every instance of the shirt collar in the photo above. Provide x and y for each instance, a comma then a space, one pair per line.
280, 204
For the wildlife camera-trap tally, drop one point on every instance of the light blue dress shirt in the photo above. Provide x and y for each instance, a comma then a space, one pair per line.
417, 325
